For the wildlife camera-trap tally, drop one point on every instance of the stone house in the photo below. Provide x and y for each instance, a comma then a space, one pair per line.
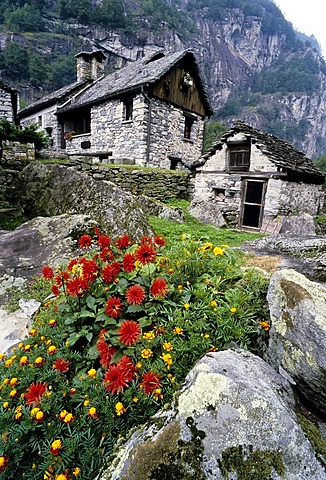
150, 112
253, 180
8, 102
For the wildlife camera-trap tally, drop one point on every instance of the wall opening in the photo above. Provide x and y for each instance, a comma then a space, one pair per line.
252, 207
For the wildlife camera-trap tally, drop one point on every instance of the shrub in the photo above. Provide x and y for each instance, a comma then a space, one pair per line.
126, 324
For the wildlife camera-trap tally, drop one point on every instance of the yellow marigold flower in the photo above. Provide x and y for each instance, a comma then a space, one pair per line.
34, 411
6, 381
2, 356
77, 269
186, 306
56, 445
62, 476
13, 393
138, 365
207, 281
213, 303
91, 373
52, 322
24, 360
146, 353
39, 415
178, 330
48, 342
225, 246
33, 332
86, 402
42, 338
206, 335
167, 359
218, 251
92, 412
20, 345
62, 414
48, 394
170, 271
51, 350
207, 247
9, 362
168, 346
171, 377
157, 393
135, 399
180, 288
149, 335
233, 310
265, 325
76, 471
13, 381
39, 361
5, 404
27, 347
120, 409
69, 418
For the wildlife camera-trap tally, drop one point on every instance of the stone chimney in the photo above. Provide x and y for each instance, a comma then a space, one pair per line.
90, 65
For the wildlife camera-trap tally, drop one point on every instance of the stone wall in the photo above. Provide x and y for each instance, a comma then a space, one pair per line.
154, 183
13, 158
6, 110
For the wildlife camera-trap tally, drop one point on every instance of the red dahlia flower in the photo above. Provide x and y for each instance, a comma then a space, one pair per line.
103, 241
76, 287
85, 241
159, 241
129, 262
90, 269
61, 365
129, 332
106, 255
110, 272
55, 290
106, 352
150, 381
128, 367
159, 288
146, 239
114, 307
115, 379
135, 295
34, 393
47, 272
123, 242
145, 254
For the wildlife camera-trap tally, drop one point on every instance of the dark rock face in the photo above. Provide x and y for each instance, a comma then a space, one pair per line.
298, 333
234, 419
54, 190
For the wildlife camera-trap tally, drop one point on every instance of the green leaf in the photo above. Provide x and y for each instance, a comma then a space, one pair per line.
116, 357
92, 353
89, 336
109, 321
145, 322
72, 339
70, 320
134, 309
86, 314
91, 303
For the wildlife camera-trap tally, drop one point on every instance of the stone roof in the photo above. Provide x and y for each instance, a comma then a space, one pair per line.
53, 97
281, 153
133, 76
7, 87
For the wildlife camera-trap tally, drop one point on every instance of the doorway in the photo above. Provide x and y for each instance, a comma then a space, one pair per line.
252, 206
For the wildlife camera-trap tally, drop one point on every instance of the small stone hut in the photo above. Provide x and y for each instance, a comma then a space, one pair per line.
8, 102
253, 180
151, 112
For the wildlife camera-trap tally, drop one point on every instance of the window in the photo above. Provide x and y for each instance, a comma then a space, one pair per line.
239, 157
188, 127
127, 110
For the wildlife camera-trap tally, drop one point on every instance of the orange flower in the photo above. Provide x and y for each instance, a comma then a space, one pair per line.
52, 350
56, 446
129, 332
135, 295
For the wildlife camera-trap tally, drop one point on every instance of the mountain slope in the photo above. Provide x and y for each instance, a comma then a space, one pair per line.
255, 65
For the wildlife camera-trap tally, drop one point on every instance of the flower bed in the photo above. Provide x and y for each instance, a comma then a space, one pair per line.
125, 325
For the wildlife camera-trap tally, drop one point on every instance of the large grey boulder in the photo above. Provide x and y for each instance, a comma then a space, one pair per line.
234, 419
207, 212
47, 190
297, 337
41, 241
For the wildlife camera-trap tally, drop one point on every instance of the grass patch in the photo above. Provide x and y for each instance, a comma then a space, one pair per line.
11, 222
173, 231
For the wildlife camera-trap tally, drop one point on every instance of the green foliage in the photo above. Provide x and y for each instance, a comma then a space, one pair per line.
213, 131
321, 163
9, 131
24, 19
110, 14
85, 375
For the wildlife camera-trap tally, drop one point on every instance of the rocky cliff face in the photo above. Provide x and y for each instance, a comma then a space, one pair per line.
241, 51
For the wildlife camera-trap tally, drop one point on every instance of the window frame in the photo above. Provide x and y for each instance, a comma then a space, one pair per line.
239, 157
128, 109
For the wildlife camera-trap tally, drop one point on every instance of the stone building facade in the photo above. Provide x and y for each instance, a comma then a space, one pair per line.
253, 180
149, 113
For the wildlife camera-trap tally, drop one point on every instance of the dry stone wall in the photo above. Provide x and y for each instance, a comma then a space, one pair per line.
6, 111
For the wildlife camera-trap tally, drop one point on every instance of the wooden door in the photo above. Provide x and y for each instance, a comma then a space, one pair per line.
252, 206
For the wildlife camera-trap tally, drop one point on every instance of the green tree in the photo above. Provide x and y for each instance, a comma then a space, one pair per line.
24, 19
321, 163
213, 131
38, 69
14, 62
